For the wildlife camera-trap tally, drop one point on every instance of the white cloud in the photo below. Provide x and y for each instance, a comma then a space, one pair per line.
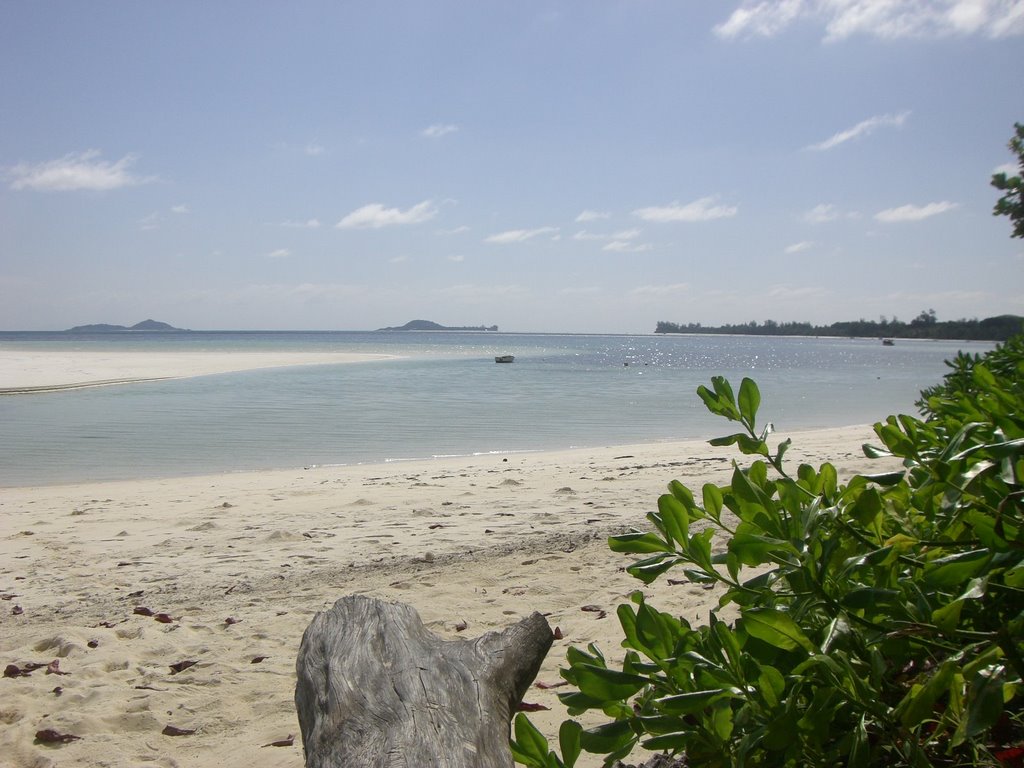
589, 215
821, 213
297, 224
375, 216
914, 212
457, 258
280, 253
764, 19
313, 149
704, 209
398, 259
438, 130
863, 128
884, 19
825, 212
670, 289
152, 221
182, 208
805, 245
580, 290
624, 234
75, 171
519, 235
624, 246
454, 230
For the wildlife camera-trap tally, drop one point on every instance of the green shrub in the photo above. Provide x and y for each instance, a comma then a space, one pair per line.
880, 622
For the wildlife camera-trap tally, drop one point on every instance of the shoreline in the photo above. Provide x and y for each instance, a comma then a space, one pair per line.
29, 372
239, 563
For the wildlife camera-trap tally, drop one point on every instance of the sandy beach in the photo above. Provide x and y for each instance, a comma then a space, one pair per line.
231, 568
30, 371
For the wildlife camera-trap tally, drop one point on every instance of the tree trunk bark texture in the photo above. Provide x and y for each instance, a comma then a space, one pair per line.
376, 688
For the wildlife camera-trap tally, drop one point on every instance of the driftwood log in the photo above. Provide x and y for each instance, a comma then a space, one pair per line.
376, 688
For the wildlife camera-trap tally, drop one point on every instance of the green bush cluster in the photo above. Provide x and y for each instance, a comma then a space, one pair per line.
880, 622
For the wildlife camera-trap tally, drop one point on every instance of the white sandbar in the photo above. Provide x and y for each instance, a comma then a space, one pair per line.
25, 372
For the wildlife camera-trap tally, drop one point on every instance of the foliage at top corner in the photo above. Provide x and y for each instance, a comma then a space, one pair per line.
1011, 204
878, 622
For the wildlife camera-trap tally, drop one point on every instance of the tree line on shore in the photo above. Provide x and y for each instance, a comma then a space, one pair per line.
924, 326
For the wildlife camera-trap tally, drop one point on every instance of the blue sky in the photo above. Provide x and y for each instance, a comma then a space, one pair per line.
543, 166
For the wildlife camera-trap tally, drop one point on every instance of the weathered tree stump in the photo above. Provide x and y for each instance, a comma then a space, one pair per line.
376, 688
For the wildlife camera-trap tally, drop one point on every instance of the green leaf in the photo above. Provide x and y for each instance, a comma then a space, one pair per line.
775, 628
721, 401
638, 543
675, 518
530, 747
829, 481
682, 493
699, 548
723, 389
770, 684
919, 703
860, 747
713, 500
627, 620
607, 738
894, 439
607, 684
886, 478
947, 617
721, 719
669, 741
956, 569
650, 568
867, 507
750, 446
753, 549
781, 450
985, 700
749, 401
658, 632
873, 452
577, 703
569, 742
727, 440
689, 703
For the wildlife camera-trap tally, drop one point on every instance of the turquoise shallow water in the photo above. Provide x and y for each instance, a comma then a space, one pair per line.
446, 396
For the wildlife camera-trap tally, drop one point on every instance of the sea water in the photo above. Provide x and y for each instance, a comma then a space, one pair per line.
443, 395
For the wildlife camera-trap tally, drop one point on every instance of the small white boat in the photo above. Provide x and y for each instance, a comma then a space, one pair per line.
505, 359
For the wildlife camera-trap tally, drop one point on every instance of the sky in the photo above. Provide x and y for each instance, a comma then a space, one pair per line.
543, 166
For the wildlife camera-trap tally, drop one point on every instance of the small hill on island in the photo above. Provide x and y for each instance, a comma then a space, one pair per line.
145, 325
428, 325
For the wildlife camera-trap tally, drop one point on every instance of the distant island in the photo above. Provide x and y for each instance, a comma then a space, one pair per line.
427, 325
924, 326
145, 325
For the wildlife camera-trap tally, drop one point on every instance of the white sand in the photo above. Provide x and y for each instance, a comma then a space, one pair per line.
483, 541
24, 371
